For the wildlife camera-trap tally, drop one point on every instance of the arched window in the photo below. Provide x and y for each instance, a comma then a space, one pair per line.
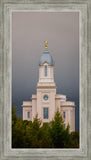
45, 113
63, 114
45, 71
28, 114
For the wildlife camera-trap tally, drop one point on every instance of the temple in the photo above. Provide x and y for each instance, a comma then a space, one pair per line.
46, 102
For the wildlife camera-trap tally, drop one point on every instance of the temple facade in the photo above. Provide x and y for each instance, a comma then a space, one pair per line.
46, 102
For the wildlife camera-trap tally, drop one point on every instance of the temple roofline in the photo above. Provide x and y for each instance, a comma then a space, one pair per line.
26, 104
67, 103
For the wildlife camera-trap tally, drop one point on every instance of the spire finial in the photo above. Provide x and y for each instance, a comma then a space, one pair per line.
46, 44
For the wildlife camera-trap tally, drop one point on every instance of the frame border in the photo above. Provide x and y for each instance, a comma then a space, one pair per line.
6, 70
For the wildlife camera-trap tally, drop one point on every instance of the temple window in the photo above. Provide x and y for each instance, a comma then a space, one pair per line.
28, 114
45, 113
45, 71
63, 114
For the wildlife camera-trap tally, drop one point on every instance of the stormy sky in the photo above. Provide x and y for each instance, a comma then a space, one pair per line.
29, 30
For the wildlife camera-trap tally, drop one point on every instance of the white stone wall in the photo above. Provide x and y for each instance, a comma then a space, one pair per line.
69, 116
27, 109
59, 98
34, 106
50, 75
53, 103
57, 105
72, 119
50, 103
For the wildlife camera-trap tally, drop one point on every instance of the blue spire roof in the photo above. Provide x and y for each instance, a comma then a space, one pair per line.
46, 57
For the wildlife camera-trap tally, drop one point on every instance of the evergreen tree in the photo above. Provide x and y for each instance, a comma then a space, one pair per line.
57, 130
27, 134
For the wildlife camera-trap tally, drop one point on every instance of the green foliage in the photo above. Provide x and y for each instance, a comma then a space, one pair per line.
14, 118
57, 130
75, 139
45, 137
27, 134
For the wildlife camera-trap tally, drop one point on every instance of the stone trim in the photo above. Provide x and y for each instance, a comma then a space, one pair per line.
46, 87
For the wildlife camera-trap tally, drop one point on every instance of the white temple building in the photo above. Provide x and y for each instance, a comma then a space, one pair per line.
46, 102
